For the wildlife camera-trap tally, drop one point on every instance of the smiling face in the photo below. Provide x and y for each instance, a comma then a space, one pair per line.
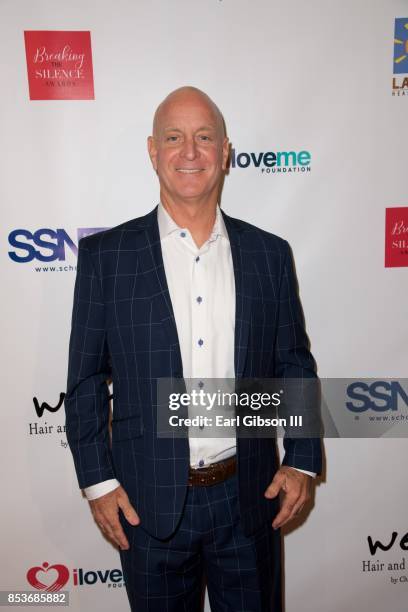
188, 149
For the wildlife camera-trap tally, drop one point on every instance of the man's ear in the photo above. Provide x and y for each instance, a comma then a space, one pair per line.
151, 147
225, 153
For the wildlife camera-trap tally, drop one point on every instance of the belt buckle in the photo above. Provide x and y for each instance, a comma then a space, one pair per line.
208, 476
212, 473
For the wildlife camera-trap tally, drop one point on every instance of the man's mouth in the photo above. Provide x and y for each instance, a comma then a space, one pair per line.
189, 170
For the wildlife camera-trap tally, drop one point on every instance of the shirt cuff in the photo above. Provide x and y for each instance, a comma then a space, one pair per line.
312, 474
101, 488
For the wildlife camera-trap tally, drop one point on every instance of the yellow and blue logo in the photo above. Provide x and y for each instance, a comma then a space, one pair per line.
401, 46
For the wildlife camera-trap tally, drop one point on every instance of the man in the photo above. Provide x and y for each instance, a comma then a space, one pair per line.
186, 291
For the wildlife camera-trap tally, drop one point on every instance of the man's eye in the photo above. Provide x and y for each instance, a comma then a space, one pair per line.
171, 138
204, 137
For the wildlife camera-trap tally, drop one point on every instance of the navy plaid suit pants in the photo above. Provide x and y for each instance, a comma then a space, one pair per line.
242, 573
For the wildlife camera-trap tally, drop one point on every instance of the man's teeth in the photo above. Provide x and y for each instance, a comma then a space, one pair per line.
189, 170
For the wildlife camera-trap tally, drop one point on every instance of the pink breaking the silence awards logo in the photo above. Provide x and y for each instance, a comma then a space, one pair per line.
59, 65
396, 237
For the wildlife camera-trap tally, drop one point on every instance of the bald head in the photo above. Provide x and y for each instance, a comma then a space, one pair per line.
185, 97
189, 149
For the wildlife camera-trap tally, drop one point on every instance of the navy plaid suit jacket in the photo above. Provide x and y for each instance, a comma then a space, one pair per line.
123, 328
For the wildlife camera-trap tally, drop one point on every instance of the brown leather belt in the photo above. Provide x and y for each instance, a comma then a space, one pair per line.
213, 473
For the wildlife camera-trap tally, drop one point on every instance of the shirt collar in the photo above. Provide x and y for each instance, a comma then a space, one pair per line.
167, 225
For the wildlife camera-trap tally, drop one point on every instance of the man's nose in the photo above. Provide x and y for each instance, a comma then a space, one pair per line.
189, 150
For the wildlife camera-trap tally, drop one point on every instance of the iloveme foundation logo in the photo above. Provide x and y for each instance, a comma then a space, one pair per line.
59, 65
52, 578
48, 577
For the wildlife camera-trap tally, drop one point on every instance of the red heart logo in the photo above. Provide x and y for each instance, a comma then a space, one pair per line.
60, 581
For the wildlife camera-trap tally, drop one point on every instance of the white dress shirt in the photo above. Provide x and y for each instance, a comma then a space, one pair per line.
202, 291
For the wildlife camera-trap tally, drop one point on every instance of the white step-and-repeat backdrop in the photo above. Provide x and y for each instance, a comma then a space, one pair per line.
323, 85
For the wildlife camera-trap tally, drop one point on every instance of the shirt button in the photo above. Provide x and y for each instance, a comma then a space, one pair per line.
197, 258
201, 384
183, 234
199, 299
201, 462
200, 342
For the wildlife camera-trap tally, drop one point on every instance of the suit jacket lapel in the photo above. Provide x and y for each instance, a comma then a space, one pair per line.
243, 289
158, 284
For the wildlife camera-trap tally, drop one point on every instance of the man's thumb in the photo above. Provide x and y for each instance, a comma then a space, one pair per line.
275, 486
131, 515
128, 510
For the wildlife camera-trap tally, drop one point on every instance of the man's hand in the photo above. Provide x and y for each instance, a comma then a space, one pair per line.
105, 510
297, 487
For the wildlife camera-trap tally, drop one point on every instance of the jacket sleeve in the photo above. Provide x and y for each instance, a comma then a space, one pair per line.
86, 399
295, 361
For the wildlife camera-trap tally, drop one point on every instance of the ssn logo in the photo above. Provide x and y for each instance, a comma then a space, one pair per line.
45, 244
379, 396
